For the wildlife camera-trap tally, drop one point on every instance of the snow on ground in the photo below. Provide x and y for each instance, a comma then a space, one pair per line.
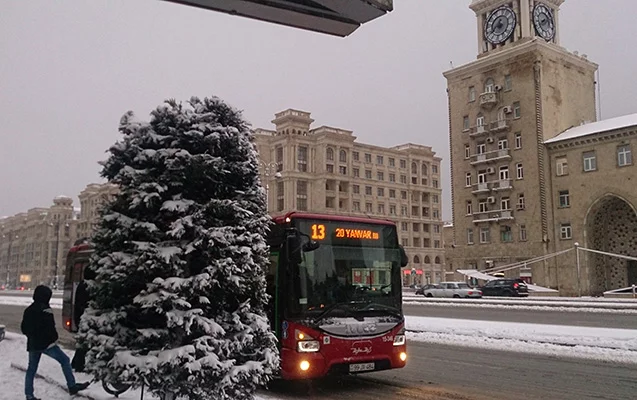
628, 305
522, 307
50, 382
26, 301
616, 345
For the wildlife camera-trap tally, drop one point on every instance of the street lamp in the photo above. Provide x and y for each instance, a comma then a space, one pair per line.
269, 169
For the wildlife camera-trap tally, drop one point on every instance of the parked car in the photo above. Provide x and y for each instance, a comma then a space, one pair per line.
505, 287
452, 289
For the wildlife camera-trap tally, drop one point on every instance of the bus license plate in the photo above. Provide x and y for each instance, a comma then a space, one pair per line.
361, 367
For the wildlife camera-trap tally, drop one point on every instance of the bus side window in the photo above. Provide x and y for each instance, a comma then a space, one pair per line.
271, 285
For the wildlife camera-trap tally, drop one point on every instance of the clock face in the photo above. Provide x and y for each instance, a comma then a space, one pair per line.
500, 25
544, 22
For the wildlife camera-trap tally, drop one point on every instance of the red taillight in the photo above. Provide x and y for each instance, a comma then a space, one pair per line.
515, 285
470, 293
68, 323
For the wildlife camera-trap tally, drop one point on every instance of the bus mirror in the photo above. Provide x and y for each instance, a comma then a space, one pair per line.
311, 246
404, 260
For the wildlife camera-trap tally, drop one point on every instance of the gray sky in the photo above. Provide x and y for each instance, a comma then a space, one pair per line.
69, 69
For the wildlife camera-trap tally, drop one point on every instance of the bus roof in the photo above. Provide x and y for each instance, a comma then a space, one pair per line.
331, 217
80, 247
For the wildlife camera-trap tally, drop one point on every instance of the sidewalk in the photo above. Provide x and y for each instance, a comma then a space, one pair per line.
50, 383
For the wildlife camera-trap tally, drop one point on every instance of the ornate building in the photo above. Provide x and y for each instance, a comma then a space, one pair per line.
506, 111
326, 170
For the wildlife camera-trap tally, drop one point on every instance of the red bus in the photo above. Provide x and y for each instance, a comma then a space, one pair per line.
336, 294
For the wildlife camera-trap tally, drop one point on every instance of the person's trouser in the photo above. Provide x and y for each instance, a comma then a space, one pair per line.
56, 353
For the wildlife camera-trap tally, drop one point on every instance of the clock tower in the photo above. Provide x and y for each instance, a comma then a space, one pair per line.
523, 89
503, 23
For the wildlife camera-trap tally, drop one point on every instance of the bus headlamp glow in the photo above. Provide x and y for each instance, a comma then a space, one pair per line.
304, 365
403, 356
308, 346
399, 340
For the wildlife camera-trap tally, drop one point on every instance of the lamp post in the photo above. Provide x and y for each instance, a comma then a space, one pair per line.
57, 224
269, 169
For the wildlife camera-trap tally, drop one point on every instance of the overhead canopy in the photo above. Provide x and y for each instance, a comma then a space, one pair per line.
333, 17
473, 273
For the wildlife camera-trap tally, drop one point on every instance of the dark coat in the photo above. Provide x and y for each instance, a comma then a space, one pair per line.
38, 322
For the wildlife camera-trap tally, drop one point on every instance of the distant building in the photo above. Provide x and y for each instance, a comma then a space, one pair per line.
33, 244
326, 170
91, 200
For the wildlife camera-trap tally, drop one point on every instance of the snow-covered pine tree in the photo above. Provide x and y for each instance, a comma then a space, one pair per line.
178, 301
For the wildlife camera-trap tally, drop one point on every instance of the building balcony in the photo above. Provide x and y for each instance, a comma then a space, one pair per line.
502, 125
491, 156
492, 216
478, 131
481, 188
488, 99
501, 185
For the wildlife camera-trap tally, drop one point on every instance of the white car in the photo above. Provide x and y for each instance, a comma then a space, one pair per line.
453, 290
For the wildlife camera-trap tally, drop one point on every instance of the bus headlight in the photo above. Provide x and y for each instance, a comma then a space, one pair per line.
308, 346
399, 340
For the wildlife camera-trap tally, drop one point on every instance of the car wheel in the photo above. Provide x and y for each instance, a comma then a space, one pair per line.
456, 296
429, 295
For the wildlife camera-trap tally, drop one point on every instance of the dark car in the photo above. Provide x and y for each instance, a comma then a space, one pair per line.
505, 287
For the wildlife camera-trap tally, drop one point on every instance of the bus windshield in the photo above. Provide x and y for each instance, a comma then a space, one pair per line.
354, 272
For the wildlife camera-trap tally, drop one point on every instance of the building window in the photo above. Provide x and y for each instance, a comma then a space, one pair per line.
472, 94
508, 85
523, 233
465, 123
504, 173
302, 158
503, 144
403, 194
356, 205
392, 162
482, 176
469, 207
403, 164
329, 168
435, 214
561, 166
368, 174
380, 160
566, 232
380, 192
355, 155
485, 235
342, 156
564, 199
392, 209
519, 171
381, 209
342, 170
425, 197
590, 162
437, 245
403, 179
404, 242
414, 168
505, 203
380, 176
356, 172
329, 154
489, 86
467, 151
518, 140
467, 179
434, 183
368, 158
435, 199
624, 156
521, 203
392, 177
506, 234
436, 228
482, 206
301, 188
425, 211
356, 189
481, 148
414, 211
469, 236
423, 169
368, 190
301, 204
434, 169
480, 121
403, 226
403, 210
392, 193
517, 112
280, 195
368, 207
415, 227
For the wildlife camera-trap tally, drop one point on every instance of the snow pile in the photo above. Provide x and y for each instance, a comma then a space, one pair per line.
25, 301
180, 294
572, 341
525, 307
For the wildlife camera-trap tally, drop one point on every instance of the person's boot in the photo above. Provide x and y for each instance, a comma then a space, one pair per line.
78, 387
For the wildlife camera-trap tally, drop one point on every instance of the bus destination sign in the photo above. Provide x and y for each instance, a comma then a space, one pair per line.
319, 232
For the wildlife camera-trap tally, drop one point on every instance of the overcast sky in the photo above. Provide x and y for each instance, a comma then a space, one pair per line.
69, 69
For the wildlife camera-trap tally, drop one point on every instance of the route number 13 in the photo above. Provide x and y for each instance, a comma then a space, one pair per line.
318, 232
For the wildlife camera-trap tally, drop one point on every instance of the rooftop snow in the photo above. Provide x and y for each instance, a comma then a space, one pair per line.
596, 127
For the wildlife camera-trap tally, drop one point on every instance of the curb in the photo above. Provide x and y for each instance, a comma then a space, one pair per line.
51, 381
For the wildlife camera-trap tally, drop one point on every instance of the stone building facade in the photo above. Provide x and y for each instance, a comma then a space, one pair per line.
91, 199
325, 170
521, 92
33, 245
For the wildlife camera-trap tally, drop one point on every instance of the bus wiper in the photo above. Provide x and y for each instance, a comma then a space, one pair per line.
370, 305
345, 306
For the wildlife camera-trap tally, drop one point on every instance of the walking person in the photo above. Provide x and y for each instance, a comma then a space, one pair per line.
38, 324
